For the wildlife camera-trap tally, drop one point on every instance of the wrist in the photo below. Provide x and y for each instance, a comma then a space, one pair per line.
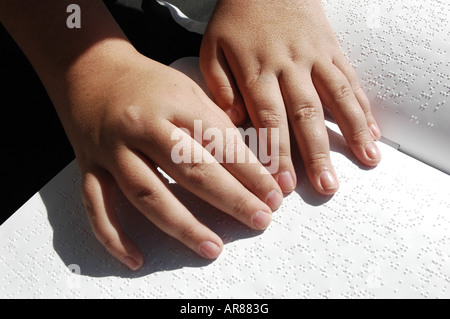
90, 80
99, 64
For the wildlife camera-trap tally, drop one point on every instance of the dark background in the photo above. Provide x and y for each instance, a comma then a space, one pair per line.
34, 145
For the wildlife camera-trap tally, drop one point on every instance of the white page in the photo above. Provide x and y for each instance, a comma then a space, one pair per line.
401, 53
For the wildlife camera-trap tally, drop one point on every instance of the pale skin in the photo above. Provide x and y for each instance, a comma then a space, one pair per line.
120, 108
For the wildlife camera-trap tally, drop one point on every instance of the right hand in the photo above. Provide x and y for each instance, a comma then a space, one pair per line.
280, 61
120, 125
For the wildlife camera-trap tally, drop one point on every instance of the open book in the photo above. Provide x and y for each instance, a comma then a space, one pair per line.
385, 234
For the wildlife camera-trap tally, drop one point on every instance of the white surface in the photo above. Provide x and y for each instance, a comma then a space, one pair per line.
385, 234
401, 53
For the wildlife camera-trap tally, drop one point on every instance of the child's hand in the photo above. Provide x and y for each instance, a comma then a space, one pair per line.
120, 110
282, 60
121, 126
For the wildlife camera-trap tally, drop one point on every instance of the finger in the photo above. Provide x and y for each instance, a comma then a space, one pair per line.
346, 68
221, 84
306, 115
244, 165
336, 92
145, 189
98, 197
226, 144
266, 108
199, 172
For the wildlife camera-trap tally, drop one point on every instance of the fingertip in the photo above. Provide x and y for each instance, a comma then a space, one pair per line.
120, 246
261, 220
274, 200
287, 182
368, 154
210, 249
373, 154
328, 183
133, 262
132, 256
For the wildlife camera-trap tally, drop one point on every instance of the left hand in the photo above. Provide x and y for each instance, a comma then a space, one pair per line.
280, 60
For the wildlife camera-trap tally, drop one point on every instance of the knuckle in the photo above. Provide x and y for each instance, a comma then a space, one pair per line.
306, 112
188, 233
254, 79
235, 150
91, 214
284, 158
358, 137
343, 93
131, 117
198, 174
356, 86
108, 241
223, 92
148, 197
317, 160
269, 118
89, 201
238, 209
294, 54
261, 183
130, 121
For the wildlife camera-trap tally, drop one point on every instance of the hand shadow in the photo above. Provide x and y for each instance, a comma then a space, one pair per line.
75, 243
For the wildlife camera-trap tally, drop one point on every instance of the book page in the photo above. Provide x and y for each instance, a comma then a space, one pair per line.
400, 51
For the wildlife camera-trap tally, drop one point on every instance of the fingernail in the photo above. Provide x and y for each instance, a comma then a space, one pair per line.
328, 181
274, 200
286, 182
209, 249
233, 114
131, 263
261, 220
375, 131
372, 151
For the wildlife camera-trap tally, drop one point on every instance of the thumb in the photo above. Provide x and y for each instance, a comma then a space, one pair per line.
221, 84
99, 191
